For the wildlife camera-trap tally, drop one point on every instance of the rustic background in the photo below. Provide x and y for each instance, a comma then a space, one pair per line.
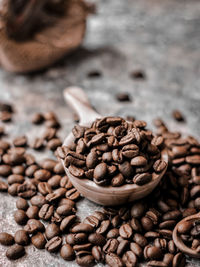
161, 37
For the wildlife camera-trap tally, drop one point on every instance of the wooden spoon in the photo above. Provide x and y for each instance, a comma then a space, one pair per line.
104, 195
179, 242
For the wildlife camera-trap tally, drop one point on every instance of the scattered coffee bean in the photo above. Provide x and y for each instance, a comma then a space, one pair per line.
6, 239
15, 251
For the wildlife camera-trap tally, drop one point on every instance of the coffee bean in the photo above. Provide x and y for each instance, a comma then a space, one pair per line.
44, 188
130, 151
20, 217
3, 186
97, 253
72, 194
125, 231
48, 164
126, 169
129, 258
54, 181
100, 171
42, 175
52, 230
113, 233
66, 222
31, 170
147, 223
32, 212
137, 250
21, 238
179, 260
33, 226
113, 260
58, 193
140, 240
13, 189
54, 244
83, 228
15, 251
46, 212
20, 141
6, 239
103, 227
153, 253
37, 118
143, 178
97, 239
111, 245
74, 239
84, 258
67, 252
137, 210
38, 201
26, 190
184, 227
92, 220
159, 165
139, 161
154, 263
177, 115
5, 170
18, 170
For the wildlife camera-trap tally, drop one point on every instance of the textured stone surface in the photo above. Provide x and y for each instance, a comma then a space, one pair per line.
160, 37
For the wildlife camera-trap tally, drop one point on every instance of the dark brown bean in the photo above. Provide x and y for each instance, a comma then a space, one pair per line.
15, 251
6, 239
22, 238
67, 252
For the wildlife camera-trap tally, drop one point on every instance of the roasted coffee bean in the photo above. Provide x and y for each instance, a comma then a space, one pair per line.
20, 217
137, 250
184, 227
129, 258
97, 253
58, 193
172, 215
159, 165
143, 178
130, 151
125, 231
140, 240
82, 228
81, 247
111, 245
44, 188
67, 252
38, 240
33, 226
97, 239
179, 260
18, 170
117, 180
84, 258
147, 223
38, 143
15, 252
113, 259
20, 141
12, 189
31, 170
42, 175
3, 186
92, 220
113, 233
21, 238
65, 182
160, 243
5, 170
177, 115
72, 194
6, 239
38, 201
26, 190
32, 212
153, 253
67, 222
78, 238
46, 212
122, 247
54, 244
104, 226
139, 161
137, 210
54, 181
154, 263
65, 210
52, 230
75, 171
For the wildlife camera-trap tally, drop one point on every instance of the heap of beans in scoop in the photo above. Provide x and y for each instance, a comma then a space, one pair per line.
114, 152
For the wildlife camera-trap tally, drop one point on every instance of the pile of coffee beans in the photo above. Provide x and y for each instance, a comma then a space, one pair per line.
114, 152
46, 204
189, 231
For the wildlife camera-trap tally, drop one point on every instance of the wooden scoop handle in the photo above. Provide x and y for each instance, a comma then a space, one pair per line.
79, 102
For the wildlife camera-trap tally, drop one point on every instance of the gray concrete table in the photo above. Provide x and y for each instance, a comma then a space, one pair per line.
160, 37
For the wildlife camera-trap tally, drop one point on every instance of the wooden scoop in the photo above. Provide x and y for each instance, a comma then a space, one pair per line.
179, 242
104, 195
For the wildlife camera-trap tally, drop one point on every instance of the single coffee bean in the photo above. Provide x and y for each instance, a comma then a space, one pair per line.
152, 253
22, 204
42, 175
125, 231
155, 263
97, 239
97, 253
54, 181
67, 252
44, 188
72, 194
184, 227
33, 226
143, 178
113, 233
5, 170
20, 141
3, 186
159, 165
100, 171
78, 238
52, 230
65, 210
46, 212
26, 190
15, 252
104, 226
179, 260
111, 245
6, 239
139, 161
12, 189
31, 170
84, 258
18, 170
123, 244
140, 240
54, 244
113, 259
92, 220
48, 164
129, 258
147, 223
38, 201
117, 180
82, 228
137, 250
32, 212
22, 238
137, 210
20, 217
